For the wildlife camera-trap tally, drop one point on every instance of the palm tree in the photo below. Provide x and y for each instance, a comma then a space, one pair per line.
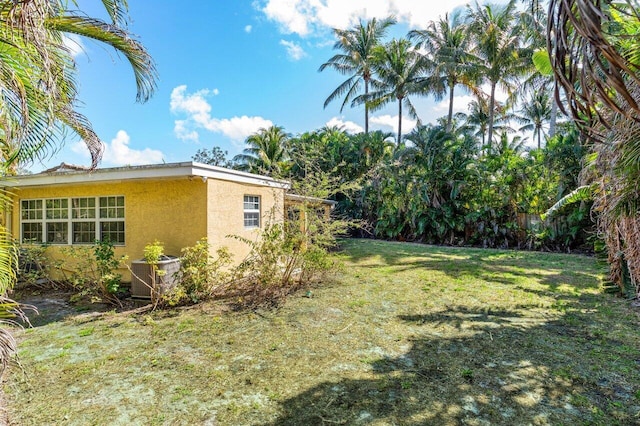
400, 73
447, 43
534, 23
595, 57
535, 112
477, 120
38, 99
498, 49
356, 60
266, 152
31, 34
515, 145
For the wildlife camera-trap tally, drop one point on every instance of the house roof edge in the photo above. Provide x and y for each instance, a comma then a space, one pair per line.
152, 171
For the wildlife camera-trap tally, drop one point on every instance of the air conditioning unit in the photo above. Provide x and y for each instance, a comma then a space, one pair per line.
142, 276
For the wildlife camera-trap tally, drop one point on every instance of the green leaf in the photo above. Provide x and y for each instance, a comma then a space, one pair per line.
581, 193
542, 62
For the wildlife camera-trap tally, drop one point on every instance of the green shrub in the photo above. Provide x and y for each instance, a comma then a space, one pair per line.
200, 274
91, 272
287, 256
153, 253
34, 267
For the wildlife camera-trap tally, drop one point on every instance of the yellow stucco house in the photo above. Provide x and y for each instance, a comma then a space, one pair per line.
177, 204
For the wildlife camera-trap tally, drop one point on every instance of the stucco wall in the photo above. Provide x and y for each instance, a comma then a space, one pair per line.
226, 214
169, 210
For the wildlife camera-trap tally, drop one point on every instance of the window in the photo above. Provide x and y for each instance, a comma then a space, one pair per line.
80, 220
57, 209
112, 231
251, 211
84, 232
32, 232
31, 220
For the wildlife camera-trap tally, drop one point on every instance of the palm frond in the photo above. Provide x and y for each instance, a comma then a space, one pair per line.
141, 62
582, 193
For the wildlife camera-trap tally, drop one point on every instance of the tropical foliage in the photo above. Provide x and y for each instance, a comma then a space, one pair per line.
266, 152
400, 73
447, 43
356, 59
39, 96
595, 57
484, 176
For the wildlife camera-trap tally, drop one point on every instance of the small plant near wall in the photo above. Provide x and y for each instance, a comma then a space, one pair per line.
89, 271
153, 253
201, 275
107, 264
77, 269
34, 267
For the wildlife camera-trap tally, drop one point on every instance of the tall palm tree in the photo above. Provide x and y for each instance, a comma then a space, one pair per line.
266, 152
447, 44
501, 59
400, 73
477, 120
535, 112
356, 60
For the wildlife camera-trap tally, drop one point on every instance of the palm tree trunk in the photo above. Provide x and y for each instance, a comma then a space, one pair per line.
554, 117
539, 131
366, 107
450, 117
399, 120
492, 101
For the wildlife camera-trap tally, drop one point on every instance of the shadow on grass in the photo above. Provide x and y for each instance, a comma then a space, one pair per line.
503, 371
501, 367
498, 266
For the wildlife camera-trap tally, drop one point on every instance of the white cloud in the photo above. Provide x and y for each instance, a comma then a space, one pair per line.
74, 44
238, 128
460, 104
183, 133
294, 50
198, 112
119, 153
392, 121
303, 17
348, 126
248, 28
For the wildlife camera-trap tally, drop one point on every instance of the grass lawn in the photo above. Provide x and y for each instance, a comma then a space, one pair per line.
404, 335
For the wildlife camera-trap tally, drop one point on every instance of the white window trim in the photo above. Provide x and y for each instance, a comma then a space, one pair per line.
70, 220
246, 210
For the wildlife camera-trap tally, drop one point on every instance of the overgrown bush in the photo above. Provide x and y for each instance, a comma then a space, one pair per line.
201, 275
290, 255
91, 272
34, 267
281, 261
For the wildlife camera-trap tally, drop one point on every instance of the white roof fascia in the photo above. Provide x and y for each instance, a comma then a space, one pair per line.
156, 171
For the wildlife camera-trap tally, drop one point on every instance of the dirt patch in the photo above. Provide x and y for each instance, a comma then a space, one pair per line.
56, 305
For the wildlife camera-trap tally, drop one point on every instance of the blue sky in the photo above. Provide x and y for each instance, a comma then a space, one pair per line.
226, 69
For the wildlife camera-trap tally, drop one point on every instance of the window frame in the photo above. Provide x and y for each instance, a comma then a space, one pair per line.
250, 213
79, 210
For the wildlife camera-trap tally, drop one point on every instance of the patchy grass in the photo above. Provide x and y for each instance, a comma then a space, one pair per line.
406, 334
